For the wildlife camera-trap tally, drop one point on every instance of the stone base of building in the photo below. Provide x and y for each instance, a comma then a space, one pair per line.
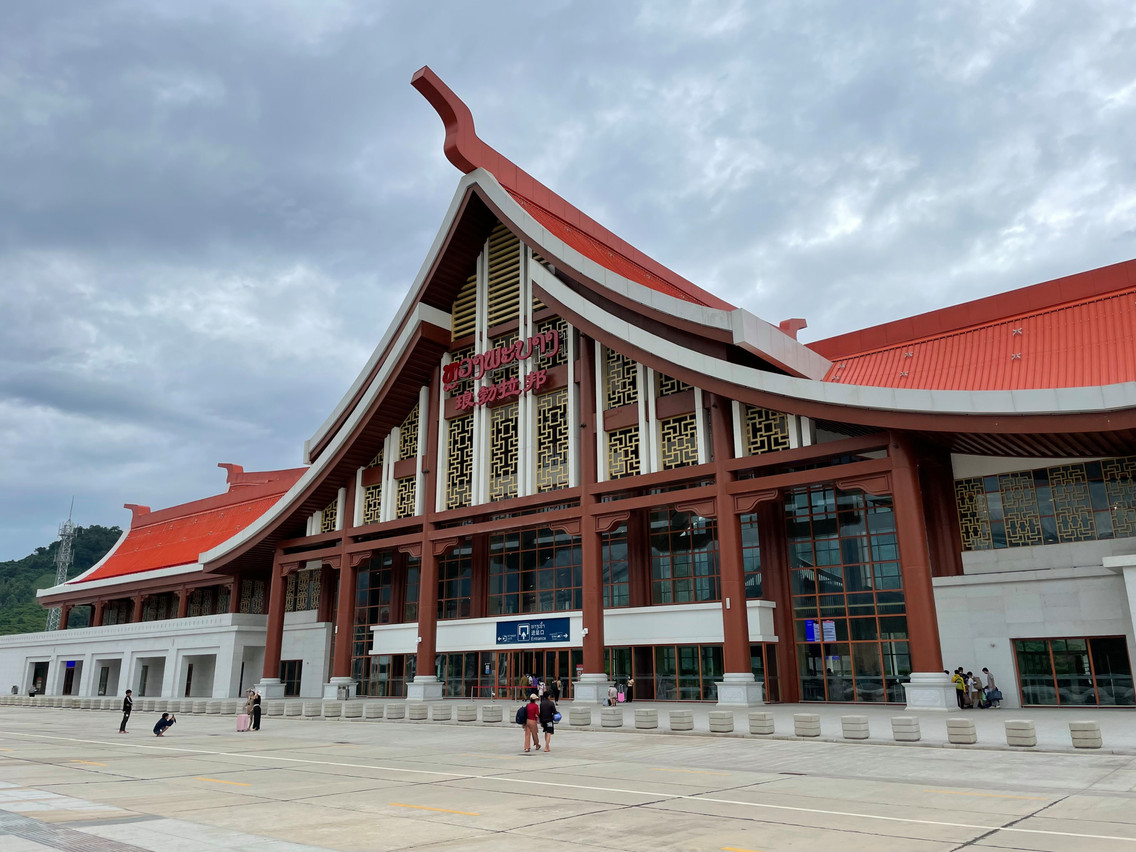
424, 688
270, 687
331, 689
740, 689
930, 691
591, 689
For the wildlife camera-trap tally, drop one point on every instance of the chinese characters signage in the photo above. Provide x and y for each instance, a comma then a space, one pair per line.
546, 344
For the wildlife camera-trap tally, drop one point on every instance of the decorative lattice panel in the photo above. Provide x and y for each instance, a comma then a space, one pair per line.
462, 385
463, 316
666, 386
459, 462
503, 452
256, 602
195, 603
404, 503
290, 592
504, 284
764, 431
314, 589
678, 441
408, 436
372, 504
561, 325
620, 380
1072, 503
623, 452
302, 587
224, 595
508, 371
377, 461
246, 596
552, 440
330, 516
1019, 509
1120, 486
973, 513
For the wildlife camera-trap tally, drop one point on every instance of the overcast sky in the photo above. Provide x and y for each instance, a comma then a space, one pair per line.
209, 210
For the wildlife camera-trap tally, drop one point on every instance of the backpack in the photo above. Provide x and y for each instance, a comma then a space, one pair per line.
522, 715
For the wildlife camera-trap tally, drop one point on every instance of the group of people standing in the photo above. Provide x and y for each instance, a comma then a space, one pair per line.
970, 691
252, 710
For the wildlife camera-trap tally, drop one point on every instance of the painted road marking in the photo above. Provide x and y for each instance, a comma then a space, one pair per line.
988, 795
537, 782
737, 849
439, 810
88, 762
689, 771
219, 781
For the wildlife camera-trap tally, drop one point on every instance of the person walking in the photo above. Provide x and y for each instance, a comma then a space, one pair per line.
127, 707
554, 689
960, 687
629, 691
255, 710
532, 714
975, 687
993, 693
547, 724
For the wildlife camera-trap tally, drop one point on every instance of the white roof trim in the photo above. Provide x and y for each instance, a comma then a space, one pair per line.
421, 315
1080, 400
155, 574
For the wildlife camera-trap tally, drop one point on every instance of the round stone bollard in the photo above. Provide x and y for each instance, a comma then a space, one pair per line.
1086, 734
352, 709
646, 720
905, 729
441, 712
580, 717
332, 709
1020, 732
467, 713
293, 708
854, 727
611, 717
806, 725
200, 706
373, 710
212, 708
274, 708
682, 720
961, 732
491, 713
84, 703
721, 722
396, 711
760, 722
417, 712
313, 709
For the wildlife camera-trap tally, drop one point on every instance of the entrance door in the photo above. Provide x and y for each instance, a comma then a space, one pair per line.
188, 678
69, 678
514, 668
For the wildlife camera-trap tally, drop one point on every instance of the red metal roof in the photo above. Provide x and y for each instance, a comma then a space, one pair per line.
1088, 342
177, 535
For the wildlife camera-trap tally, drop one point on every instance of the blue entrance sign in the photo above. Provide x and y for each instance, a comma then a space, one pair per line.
532, 632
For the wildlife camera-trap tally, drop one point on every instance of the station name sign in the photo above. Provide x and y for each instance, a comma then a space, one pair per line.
532, 632
545, 344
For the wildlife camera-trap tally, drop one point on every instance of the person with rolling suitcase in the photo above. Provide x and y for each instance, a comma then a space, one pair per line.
244, 718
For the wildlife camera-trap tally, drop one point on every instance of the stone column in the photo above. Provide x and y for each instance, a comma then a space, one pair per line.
270, 685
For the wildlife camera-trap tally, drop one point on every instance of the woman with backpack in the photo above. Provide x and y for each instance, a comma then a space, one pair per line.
532, 713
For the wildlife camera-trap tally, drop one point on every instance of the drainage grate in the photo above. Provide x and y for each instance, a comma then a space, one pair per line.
59, 836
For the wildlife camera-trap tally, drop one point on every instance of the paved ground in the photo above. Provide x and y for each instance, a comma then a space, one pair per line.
69, 781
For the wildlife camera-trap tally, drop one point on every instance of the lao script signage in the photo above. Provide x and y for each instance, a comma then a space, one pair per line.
545, 344
532, 632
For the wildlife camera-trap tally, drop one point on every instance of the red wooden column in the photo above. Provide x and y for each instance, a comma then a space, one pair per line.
345, 615
274, 635
426, 685
64, 613
235, 596
183, 602
97, 613
591, 545
915, 564
428, 609
139, 601
735, 615
775, 587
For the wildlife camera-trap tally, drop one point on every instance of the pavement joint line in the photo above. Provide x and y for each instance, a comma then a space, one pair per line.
660, 796
988, 795
737, 849
689, 771
439, 810
219, 781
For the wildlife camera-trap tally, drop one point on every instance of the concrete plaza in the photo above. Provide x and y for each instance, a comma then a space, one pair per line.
69, 781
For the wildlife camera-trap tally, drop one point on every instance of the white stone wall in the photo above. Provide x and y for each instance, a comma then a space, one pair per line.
307, 639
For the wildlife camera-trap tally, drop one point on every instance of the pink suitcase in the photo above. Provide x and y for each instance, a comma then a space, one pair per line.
243, 722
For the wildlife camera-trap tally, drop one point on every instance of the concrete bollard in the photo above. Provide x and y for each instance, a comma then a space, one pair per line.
721, 722
332, 709
274, 708
491, 713
806, 725
293, 708
441, 712
760, 722
1020, 732
682, 720
961, 732
372, 710
313, 709
396, 711
161, 706
353, 710
84, 703
580, 717
646, 720
147, 705
905, 729
199, 706
467, 712
854, 727
228, 708
611, 717
212, 708
417, 712
1086, 734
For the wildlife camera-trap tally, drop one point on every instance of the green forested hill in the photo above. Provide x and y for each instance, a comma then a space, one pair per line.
20, 578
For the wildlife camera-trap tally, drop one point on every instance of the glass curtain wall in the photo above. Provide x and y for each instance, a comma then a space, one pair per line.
684, 558
1076, 671
534, 571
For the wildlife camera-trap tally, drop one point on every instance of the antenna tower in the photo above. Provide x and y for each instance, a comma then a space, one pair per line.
64, 557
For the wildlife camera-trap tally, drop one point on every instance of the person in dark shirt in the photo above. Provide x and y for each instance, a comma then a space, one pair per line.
547, 710
255, 710
163, 724
127, 706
